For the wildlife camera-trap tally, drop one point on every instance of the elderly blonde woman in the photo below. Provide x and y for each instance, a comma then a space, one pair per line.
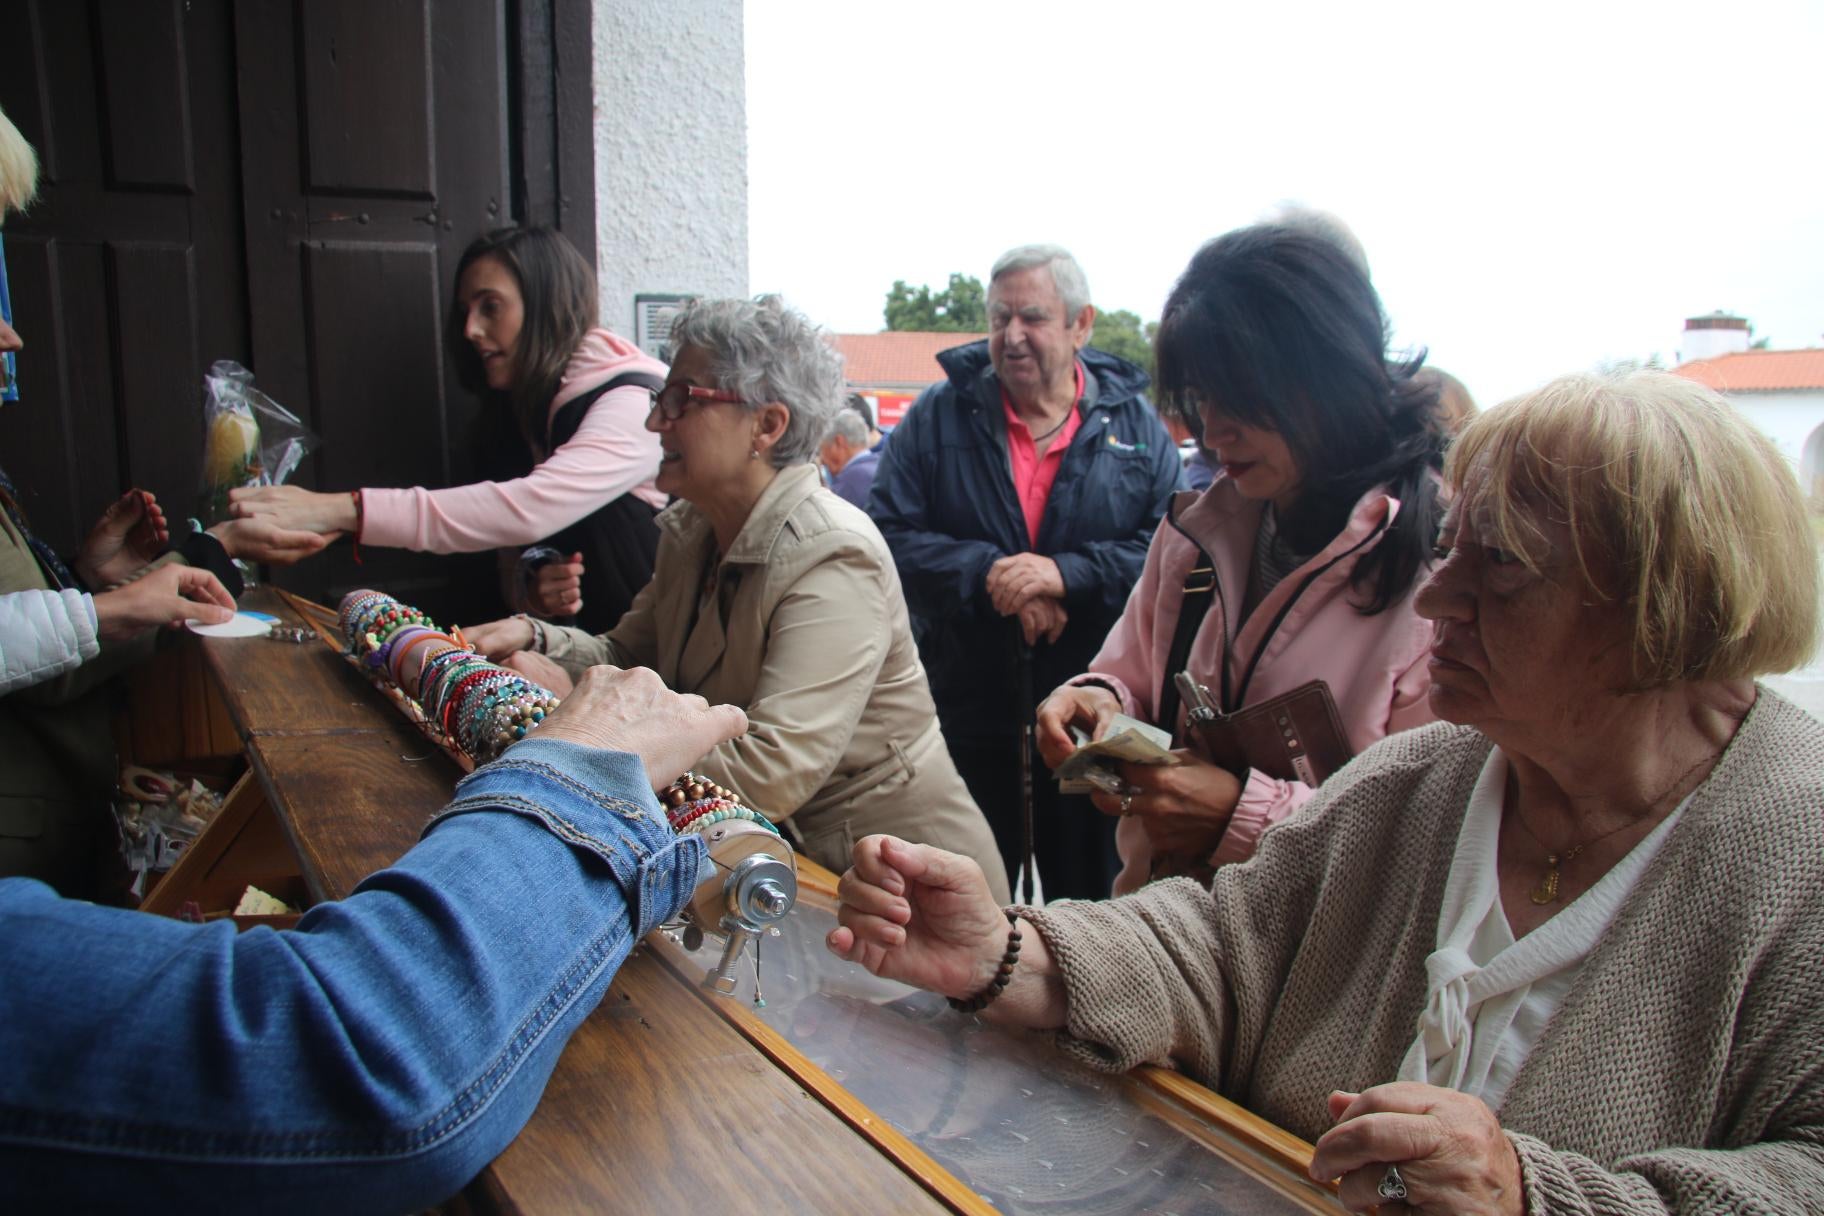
1561, 952
773, 594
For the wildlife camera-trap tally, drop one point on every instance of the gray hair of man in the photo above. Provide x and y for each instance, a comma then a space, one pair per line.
1071, 282
768, 352
849, 427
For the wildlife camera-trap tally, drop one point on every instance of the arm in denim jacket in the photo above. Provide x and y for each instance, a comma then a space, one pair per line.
373, 1059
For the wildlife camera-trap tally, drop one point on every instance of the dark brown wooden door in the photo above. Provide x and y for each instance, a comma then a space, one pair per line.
375, 145
286, 183
128, 276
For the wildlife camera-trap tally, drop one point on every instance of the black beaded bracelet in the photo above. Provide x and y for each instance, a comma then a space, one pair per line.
1002, 974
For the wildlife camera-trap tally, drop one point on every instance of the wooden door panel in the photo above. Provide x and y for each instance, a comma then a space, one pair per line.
154, 287
373, 313
367, 97
143, 68
400, 112
287, 183
127, 272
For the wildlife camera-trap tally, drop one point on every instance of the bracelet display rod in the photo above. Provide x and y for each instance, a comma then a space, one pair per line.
475, 709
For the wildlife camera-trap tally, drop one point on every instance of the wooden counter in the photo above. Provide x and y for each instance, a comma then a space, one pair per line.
671, 1099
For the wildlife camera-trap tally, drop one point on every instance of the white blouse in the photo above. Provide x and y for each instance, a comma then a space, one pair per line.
1489, 997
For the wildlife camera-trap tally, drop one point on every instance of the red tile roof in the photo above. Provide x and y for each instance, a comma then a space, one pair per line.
1761, 371
902, 358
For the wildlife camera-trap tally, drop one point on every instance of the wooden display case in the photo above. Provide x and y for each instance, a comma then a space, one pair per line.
843, 1093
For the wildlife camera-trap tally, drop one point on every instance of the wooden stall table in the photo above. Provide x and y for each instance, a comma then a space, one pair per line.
843, 1093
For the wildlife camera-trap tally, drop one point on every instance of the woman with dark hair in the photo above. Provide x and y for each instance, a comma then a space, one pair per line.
1298, 564
522, 330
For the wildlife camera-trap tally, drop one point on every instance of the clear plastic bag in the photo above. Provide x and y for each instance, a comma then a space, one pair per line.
248, 438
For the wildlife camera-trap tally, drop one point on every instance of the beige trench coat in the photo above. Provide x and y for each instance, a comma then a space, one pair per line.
801, 623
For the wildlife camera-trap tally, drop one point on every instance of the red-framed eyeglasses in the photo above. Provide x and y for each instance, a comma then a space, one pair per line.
672, 400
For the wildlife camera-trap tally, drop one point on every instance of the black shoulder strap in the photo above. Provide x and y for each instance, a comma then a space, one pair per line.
568, 419
1199, 591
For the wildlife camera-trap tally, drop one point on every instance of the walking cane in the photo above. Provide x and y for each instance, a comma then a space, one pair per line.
1028, 871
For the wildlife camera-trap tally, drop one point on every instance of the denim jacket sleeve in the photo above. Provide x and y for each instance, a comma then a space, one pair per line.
373, 1059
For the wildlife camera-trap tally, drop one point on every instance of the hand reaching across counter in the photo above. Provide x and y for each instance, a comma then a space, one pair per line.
631, 710
167, 596
919, 915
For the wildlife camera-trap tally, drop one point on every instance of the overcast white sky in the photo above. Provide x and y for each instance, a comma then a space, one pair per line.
1540, 187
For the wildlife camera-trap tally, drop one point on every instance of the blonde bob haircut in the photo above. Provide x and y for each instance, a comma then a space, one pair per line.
1678, 507
18, 169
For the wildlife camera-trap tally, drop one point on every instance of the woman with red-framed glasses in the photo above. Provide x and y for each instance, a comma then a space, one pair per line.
772, 593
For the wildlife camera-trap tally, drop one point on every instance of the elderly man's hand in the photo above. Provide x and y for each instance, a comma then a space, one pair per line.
632, 711
1449, 1147
1012, 581
1042, 618
168, 596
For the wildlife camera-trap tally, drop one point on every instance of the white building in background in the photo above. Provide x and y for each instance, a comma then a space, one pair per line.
670, 89
1780, 391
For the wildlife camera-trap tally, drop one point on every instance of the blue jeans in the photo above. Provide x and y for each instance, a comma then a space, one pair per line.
372, 1060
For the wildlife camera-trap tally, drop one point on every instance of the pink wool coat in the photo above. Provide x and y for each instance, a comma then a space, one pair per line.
1375, 665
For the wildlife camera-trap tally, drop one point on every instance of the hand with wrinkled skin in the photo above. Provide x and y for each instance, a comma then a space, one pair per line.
1088, 707
1042, 618
1185, 807
556, 588
540, 670
1449, 1146
130, 533
295, 508
498, 639
1014, 580
167, 597
631, 710
919, 915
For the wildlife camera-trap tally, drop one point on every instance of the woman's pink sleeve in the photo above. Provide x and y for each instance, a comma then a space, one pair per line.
611, 454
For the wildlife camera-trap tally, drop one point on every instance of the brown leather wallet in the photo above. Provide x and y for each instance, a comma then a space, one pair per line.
1296, 736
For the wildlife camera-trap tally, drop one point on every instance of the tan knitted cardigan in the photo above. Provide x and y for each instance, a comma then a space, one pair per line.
1685, 1069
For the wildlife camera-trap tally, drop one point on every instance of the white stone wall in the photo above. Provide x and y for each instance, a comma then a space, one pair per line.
670, 151
1795, 423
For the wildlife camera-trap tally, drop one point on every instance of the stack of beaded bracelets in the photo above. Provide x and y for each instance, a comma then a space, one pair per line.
694, 803
470, 704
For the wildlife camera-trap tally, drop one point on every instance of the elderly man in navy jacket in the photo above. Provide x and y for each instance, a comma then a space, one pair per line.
1018, 498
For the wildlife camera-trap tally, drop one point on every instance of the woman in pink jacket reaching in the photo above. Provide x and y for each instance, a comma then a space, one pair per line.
579, 473
1302, 556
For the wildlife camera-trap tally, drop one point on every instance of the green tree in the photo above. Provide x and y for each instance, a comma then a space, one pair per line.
960, 308
1120, 332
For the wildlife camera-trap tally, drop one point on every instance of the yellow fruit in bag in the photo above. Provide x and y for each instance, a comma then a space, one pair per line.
232, 456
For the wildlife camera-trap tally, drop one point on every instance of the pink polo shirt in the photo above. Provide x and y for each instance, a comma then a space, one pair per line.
1033, 477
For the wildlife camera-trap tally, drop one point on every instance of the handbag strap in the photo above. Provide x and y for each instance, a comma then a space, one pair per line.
569, 419
1199, 590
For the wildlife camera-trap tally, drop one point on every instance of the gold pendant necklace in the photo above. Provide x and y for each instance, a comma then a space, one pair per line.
1546, 891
